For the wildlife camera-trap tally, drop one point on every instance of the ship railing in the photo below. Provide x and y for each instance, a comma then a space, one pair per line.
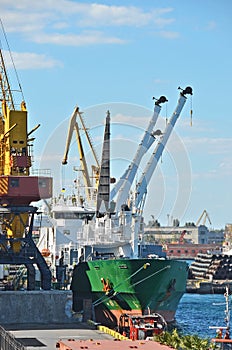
8, 341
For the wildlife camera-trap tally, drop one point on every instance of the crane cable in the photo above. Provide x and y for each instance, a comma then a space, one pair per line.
62, 179
11, 57
191, 110
111, 295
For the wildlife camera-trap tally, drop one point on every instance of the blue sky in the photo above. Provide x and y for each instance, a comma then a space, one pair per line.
117, 55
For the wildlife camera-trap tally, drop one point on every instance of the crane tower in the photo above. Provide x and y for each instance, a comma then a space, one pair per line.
18, 188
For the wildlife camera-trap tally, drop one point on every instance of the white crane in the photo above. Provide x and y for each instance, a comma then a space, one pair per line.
141, 188
124, 184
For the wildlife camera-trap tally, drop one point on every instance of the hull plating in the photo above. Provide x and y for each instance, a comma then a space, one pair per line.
129, 286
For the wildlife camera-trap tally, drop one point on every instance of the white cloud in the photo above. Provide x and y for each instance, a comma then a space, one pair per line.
37, 20
97, 14
212, 146
85, 38
29, 60
138, 122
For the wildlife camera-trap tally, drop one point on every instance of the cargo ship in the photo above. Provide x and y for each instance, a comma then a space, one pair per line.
115, 274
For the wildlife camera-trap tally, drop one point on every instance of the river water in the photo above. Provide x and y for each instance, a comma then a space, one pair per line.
197, 312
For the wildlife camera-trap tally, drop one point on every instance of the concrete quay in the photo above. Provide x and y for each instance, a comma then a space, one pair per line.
44, 319
35, 307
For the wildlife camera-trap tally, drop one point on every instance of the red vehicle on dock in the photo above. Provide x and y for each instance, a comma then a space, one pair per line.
141, 327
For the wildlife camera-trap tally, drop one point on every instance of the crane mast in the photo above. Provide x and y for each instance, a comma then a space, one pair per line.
141, 188
124, 184
89, 141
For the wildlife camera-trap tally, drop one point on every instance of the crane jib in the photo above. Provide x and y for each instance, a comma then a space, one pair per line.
141, 188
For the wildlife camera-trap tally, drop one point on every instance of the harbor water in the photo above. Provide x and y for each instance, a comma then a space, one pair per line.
196, 313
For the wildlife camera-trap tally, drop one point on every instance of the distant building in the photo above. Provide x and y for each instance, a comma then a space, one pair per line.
183, 234
189, 250
228, 235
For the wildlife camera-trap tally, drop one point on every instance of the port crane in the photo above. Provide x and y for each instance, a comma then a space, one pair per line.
124, 184
204, 216
141, 188
18, 188
74, 126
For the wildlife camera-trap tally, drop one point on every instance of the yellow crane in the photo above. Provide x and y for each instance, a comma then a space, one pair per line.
17, 187
203, 216
73, 126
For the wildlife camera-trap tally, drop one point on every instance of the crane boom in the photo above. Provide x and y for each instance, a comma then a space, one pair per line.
141, 188
7, 96
73, 125
84, 167
72, 122
89, 141
124, 184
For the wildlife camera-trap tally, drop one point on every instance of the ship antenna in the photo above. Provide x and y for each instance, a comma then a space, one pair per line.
11, 57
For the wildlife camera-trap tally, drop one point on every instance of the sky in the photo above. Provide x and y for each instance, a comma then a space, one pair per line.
117, 56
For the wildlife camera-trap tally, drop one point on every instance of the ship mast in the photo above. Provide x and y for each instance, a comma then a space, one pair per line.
103, 194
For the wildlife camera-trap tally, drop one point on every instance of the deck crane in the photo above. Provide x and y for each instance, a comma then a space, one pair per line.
18, 188
124, 184
141, 188
73, 125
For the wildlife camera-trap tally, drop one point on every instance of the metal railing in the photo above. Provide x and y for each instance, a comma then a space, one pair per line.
8, 341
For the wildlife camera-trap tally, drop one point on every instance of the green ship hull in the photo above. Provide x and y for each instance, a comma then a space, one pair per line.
134, 286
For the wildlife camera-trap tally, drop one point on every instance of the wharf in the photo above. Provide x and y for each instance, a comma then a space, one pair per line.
73, 337
111, 344
208, 287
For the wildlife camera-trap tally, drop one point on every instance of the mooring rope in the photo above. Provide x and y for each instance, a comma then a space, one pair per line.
105, 297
